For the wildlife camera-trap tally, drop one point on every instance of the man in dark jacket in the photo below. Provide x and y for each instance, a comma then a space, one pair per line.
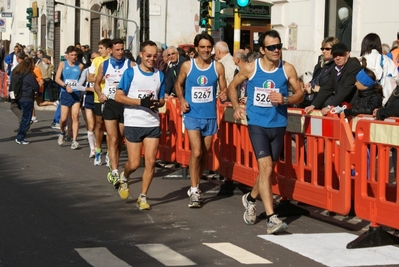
341, 87
172, 71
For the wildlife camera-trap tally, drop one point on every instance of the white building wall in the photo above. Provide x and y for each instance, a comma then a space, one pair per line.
176, 24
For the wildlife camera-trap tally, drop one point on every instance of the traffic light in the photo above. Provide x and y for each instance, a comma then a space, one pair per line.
242, 3
29, 11
205, 13
219, 17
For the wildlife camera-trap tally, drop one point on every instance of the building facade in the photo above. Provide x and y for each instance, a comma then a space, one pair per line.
303, 24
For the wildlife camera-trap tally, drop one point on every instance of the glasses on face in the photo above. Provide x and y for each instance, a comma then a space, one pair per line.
271, 48
151, 56
325, 48
172, 54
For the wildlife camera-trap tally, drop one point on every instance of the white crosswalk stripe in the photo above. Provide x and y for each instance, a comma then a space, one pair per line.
165, 255
330, 249
101, 257
239, 254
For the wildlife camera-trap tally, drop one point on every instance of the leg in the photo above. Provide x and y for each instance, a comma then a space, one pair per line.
75, 120
24, 126
150, 152
263, 186
16, 109
112, 127
196, 156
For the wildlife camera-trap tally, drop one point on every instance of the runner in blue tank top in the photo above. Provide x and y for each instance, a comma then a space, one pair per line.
266, 112
67, 77
198, 104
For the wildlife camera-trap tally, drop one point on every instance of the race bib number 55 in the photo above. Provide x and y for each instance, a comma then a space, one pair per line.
202, 94
261, 97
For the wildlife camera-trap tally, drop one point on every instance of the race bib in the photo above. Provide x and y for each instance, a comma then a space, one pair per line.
143, 93
261, 97
203, 94
72, 83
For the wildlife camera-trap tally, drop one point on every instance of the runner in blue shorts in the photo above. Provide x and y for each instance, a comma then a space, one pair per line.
266, 111
200, 76
67, 77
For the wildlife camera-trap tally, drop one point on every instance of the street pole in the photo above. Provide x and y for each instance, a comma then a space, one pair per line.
237, 29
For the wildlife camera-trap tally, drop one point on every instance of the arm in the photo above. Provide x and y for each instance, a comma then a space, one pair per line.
97, 88
245, 72
92, 72
324, 93
58, 75
292, 76
222, 81
179, 85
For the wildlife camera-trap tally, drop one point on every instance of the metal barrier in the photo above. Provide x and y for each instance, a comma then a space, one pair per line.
376, 191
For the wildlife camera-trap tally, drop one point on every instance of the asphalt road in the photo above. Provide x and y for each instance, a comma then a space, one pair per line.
57, 209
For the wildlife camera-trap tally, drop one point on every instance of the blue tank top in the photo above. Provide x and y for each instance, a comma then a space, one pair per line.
200, 91
260, 110
70, 75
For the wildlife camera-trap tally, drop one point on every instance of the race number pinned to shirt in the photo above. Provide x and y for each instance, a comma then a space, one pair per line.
201, 94
143, 93
261, 96
110, 91
72, 83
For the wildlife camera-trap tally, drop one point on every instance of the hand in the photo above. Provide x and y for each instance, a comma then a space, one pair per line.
276, 98
68, 89
239, 113
184, 106
222, 96
309, 109
243, 100
307, 88
325, 110
316, 88
375, 112
149, 102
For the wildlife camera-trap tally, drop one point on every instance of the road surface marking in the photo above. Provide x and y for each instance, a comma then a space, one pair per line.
101, 257
165, 255
241, 255
330, 249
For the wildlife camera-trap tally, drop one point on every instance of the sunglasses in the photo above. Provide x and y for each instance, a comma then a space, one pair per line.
325, 48
273, 47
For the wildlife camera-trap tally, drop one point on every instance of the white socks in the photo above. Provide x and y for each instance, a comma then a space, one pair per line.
92, 140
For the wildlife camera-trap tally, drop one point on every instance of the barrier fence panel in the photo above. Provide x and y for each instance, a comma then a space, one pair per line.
315, 165
167, 140
3, 85
376, 190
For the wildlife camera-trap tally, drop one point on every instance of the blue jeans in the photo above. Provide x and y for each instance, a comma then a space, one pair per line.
27, 109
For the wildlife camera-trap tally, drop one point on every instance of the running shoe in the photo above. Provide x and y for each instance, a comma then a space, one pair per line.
123, 189
106, 160
195, 200
275, 225
92, 154
74, 145
199, 192
60, 139
113, 178
97, 159
22, 142
55, 125
250, 210
34, 119
142, 203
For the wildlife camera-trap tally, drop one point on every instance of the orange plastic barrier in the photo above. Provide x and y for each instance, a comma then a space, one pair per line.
3, 85
167, 140
376, 190
316, 165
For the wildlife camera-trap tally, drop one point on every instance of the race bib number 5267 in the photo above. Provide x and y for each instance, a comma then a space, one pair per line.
203, 94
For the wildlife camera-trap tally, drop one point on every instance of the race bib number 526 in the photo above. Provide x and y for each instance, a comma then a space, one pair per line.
261, 96
202, 94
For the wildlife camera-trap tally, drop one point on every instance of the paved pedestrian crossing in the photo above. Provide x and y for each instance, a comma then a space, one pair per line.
326, 249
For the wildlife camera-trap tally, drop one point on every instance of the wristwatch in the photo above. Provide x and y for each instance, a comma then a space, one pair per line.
285, 100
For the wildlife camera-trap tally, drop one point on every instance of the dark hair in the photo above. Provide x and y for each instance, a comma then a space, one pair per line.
370, 41
21, 55
116, 41
106, 42
203, 35
71, 49
371, 74
25, 66
129, 55
271, 33
147, 43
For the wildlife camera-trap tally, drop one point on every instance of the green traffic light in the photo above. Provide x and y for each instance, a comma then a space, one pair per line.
243, 3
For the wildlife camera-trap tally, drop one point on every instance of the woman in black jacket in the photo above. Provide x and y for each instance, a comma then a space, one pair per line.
368, 96
29, 89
